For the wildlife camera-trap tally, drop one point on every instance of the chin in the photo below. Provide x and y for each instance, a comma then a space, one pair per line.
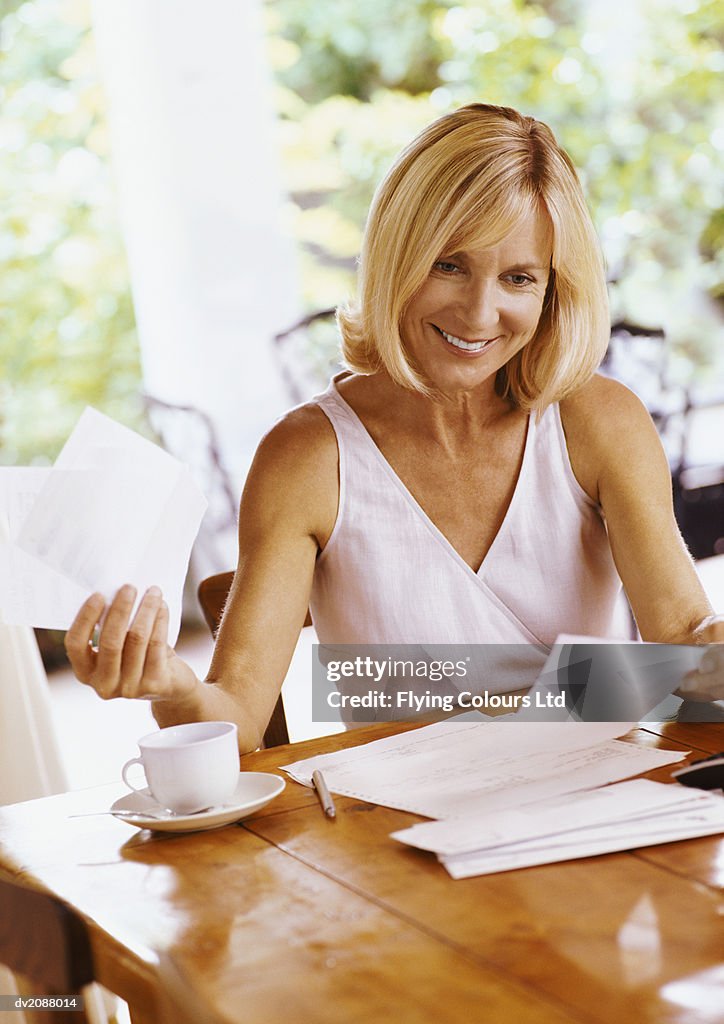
463, 379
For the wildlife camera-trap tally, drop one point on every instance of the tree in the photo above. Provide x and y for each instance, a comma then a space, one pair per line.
67, 330
639, 112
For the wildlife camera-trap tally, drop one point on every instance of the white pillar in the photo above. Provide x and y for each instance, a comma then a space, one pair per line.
212, 273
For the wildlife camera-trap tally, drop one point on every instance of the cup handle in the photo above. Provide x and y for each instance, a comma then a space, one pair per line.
124, 770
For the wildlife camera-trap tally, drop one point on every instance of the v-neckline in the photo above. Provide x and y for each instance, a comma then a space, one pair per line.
415, 504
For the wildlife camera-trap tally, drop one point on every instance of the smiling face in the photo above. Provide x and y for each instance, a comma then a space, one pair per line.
479, 306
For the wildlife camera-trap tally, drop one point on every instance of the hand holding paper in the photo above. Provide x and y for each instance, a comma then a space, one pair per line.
114, 509
133, 658
707, 683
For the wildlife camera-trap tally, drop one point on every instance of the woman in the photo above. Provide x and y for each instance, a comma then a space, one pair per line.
470, 481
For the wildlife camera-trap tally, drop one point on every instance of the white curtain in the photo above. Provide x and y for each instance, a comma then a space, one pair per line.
30, 762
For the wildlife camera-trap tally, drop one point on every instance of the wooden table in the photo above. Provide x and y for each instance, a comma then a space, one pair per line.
293, 917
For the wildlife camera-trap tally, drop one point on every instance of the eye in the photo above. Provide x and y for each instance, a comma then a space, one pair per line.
445, 266
520, 280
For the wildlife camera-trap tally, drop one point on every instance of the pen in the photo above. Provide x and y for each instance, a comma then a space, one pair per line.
323, 794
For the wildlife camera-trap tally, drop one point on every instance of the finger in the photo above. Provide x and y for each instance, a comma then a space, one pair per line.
713, 631
156, 667
79, 637
135, 647
112, 639
699, 687
712, 659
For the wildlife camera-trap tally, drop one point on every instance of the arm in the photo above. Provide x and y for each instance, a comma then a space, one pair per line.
618, 459
286, 515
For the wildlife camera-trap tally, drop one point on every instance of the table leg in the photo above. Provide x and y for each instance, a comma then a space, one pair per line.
143, 1017
39, 1016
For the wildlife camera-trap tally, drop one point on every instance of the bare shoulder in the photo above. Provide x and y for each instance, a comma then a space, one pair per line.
603, 405
301, 438
294, 474
608, 431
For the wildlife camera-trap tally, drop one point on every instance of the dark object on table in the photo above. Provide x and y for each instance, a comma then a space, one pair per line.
705, 774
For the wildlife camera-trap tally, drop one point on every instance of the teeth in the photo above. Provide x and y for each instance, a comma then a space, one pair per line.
468, 346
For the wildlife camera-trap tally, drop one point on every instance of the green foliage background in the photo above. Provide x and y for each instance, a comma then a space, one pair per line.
639, 111
67, 331
642, 118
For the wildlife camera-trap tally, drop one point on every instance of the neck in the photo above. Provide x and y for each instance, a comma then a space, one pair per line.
451, 419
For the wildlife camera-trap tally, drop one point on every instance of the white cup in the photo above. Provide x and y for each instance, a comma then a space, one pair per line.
189, 767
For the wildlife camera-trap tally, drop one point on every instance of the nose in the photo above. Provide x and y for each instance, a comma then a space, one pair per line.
482, 307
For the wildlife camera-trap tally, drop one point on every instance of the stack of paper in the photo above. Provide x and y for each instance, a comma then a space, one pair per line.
114, 509
617, 817
511, 795
450, 768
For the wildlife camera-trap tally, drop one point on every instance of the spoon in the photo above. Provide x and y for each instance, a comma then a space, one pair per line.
126, 814
156, 816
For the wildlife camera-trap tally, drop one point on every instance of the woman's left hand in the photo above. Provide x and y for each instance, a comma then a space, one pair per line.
707, 682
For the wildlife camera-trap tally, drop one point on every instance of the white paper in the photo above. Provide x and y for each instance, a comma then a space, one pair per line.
446, 769
704, 818
615, 680
114, 509
31, 593
639, 798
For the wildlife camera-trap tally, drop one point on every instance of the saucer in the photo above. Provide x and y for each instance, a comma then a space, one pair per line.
253, 790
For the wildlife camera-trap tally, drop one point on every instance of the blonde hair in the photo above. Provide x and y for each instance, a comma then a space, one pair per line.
466, 181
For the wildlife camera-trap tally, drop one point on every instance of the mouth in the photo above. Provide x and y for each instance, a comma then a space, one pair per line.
465, 346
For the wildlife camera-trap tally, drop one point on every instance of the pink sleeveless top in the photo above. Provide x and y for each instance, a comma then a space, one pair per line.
389, 576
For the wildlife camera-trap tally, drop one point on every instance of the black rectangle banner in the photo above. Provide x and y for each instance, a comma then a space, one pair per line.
581, 681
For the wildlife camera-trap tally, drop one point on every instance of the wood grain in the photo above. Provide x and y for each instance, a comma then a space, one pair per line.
294, 917
602, 936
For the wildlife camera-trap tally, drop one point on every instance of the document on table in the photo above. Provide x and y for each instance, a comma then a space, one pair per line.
450, 768
549, 819
607, 820
114, 509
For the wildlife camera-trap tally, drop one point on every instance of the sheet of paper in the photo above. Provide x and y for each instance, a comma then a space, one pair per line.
575, 812
444, 770
705, 818
114, 509
608, 680
31, 593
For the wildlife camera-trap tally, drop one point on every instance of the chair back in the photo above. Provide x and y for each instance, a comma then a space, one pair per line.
213, 593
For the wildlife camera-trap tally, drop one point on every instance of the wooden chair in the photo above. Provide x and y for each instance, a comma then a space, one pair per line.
213, 592
60, 964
